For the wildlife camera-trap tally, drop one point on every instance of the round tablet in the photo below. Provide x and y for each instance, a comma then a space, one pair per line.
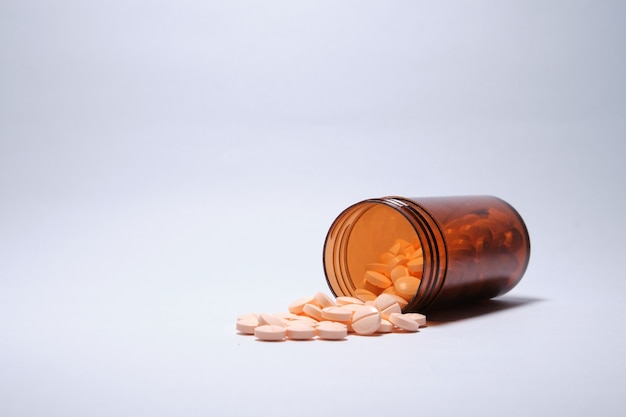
364, 295
267, 318
398, 272
336, 313
297, 305
366, 320
407, 286
248, 316
300, 331
385, 326
341, 301
377, 279
313, 311
376, 267
416, 264
247, 326
387, 304
331, 330
270, 332
403, 322
324, 300
419, 318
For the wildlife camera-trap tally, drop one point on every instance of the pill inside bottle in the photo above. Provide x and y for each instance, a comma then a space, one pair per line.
428, 252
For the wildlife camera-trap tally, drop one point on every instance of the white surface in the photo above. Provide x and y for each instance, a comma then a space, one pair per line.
165, 167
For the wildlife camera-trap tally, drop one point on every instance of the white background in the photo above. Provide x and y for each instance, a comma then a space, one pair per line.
168, 166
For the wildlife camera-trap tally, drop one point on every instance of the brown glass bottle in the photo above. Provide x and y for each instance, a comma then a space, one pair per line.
471, 248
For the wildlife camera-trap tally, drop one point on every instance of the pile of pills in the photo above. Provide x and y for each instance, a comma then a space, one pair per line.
398, 272
321, 317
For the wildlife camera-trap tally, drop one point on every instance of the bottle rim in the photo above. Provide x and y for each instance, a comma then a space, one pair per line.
426, 231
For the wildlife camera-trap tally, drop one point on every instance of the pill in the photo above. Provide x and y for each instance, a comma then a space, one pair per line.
364, 295
398, 260
377, 279
371, 287
341, 301
418, 253
286, 316
313, 311
297, 305
417, 274
403, 322
385, 326
416, 264
390, 290
324, 300
267, 318
300, 331
247, 325
386, 257
336, 313
406, 287
386, 305
302, 319
376, 267
461, 245
353, 307
366, 320
401, 301
399, 271
513, 240
331, 330
396, 248
417, 317
270, 332
366, 313
248, 316
403, 243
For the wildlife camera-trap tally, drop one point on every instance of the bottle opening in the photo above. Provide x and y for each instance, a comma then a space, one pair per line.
371, 249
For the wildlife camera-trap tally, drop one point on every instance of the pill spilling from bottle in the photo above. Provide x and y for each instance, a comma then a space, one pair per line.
322, 317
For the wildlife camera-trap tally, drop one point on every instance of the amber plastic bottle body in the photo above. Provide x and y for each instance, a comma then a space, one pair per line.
474, 247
